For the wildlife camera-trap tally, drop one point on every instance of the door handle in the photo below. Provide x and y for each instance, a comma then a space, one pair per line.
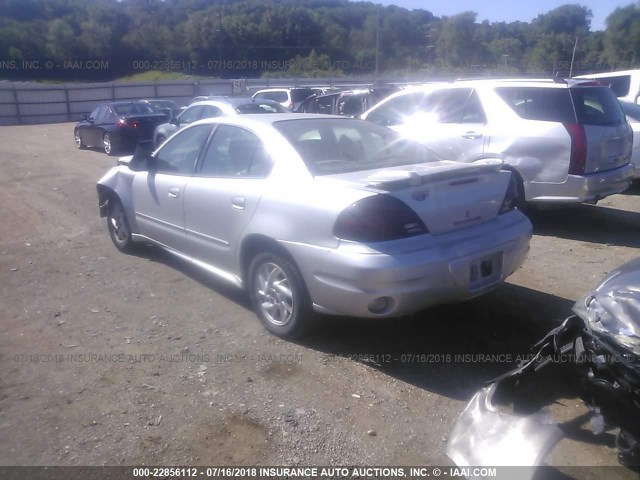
174, 192
238, 202
471, 135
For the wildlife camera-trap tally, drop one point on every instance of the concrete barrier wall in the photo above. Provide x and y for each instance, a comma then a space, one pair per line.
34, 103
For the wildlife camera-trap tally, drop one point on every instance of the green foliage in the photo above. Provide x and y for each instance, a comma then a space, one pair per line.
252, 38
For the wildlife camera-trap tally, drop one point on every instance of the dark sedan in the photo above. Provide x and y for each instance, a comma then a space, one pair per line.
117, 126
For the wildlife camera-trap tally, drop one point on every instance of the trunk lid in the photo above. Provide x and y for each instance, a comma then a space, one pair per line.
145, 124
445, 195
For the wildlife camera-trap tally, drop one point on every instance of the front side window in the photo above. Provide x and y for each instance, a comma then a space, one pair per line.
448, 105
331, 146
178, 156
235, 152
395, 111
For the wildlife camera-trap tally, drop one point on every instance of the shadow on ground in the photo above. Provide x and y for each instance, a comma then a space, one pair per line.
449, 350
589, 223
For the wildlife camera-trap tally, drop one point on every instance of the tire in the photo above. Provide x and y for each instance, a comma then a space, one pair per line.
279, 295
118, 226
108, 144
79, 143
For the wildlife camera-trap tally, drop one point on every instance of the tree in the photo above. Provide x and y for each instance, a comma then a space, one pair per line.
622, 37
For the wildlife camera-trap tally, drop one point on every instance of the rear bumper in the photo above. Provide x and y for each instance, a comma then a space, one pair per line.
414, 273
583, 188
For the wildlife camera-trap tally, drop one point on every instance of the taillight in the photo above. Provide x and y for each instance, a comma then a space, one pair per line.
512, 197
578, 160
377, 219
122, 123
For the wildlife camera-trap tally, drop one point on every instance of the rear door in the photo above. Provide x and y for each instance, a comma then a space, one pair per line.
458, 128
608, 136
224, 194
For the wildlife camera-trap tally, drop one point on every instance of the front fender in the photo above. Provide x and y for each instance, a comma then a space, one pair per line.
117, 182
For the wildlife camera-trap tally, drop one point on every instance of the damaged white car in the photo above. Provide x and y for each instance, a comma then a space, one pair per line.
595, 354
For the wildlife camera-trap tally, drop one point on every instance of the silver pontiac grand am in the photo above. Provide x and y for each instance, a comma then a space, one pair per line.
314, 213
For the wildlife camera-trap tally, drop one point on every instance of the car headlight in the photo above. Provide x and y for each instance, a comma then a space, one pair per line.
614, 324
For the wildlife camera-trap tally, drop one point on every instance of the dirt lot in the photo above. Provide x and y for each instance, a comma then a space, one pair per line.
109, 359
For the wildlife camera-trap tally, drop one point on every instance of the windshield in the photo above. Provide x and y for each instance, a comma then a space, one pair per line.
330, 145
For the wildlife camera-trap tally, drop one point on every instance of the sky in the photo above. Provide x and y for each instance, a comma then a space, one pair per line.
510, 10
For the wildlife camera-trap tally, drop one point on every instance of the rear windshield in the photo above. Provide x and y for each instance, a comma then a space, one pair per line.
275, 96
533, 103
597, 106
330, 145
258, 107
585, 105
132, 109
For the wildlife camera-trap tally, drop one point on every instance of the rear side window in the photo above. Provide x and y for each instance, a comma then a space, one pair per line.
546, 104
597, 106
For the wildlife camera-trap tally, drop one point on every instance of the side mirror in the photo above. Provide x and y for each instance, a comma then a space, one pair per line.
142, 163
142, 160
84, 116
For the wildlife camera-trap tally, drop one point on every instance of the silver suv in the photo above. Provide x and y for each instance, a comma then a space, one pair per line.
567, 141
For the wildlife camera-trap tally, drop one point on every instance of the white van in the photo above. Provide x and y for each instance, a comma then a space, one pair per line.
625, 84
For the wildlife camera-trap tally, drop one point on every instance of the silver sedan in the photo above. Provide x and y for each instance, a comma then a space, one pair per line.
314, 213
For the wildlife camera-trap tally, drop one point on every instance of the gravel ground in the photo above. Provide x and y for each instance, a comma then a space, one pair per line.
112, 359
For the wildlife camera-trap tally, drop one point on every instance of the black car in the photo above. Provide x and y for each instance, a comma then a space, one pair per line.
348, 102
167, 107
117, 126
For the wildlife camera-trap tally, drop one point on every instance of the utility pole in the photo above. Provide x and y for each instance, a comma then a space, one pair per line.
377, 41
573, 56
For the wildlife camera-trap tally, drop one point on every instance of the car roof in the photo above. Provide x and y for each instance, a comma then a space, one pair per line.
125, 102
269, 118
234, 101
